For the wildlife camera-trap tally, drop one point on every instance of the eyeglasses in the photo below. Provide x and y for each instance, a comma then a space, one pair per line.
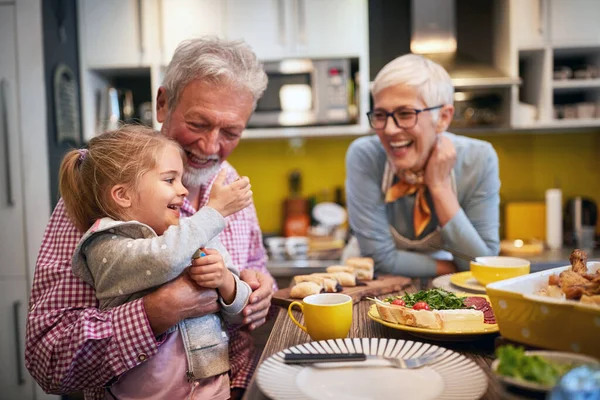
405, 118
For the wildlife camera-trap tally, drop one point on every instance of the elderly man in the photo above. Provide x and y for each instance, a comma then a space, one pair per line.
210, 90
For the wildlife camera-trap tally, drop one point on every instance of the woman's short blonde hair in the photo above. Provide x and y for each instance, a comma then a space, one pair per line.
429, 78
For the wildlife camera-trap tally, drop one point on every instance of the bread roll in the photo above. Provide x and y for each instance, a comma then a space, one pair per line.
363, 267
341, 268
329, 284
343, 278
408, 316
307, 278
304, 289
361, 263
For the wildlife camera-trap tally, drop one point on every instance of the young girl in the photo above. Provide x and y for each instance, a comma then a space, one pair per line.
125, 192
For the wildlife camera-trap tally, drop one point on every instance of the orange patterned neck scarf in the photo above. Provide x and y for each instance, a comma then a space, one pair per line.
422, 212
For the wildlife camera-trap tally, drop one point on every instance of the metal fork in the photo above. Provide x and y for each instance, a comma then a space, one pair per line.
408, 363
318, 361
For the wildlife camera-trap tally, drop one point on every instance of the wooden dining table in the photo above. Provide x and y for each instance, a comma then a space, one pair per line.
481, 350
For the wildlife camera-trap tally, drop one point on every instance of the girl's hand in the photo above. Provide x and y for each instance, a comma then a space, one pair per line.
440, 164
229, 199
209, 271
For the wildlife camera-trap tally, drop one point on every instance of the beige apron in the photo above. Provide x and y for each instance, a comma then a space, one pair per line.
401, 242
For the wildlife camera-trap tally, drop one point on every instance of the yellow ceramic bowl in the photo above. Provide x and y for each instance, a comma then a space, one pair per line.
492, 269
545, 322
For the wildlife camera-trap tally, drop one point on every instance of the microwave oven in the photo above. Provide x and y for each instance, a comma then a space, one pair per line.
307, 92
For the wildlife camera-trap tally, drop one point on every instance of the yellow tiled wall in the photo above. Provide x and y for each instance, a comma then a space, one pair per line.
529, 164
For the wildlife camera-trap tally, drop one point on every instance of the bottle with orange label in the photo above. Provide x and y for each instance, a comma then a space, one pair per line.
296, 218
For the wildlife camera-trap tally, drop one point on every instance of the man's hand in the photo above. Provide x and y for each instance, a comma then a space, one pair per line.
177, 300
255, 313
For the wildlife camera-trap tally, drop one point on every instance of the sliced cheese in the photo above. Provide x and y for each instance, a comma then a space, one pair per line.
461, 320
466, 320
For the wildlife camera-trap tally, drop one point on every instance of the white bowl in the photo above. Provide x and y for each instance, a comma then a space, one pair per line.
555, 356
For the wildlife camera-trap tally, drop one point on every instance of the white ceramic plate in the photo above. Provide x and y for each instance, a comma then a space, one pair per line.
452, 377
556, 356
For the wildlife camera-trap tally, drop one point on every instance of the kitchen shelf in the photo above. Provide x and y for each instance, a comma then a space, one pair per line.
576, 84
575, 123
312, 131
475, 83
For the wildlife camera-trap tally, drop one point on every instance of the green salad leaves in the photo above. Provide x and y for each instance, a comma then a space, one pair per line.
438, 299
514, 363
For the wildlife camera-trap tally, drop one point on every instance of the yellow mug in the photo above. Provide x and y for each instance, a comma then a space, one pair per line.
327, 315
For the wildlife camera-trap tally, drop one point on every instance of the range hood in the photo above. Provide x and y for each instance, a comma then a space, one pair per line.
434, 36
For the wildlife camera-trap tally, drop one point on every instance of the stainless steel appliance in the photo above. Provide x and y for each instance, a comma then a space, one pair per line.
305, 92
580, 219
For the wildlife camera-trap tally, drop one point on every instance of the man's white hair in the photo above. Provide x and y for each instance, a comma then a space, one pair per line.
215, 61
428, 78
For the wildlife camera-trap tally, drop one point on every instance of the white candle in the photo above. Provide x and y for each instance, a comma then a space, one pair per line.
554, 229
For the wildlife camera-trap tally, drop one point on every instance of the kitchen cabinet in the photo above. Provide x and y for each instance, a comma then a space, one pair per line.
333, 28
574, 23
15, 381
12, 244
24, 194
557, 56
185, 19
269, 26
529, 21
118, 33
279, 29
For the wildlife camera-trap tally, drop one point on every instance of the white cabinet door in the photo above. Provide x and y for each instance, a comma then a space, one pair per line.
12, 238
15, 381
575, 22
279, 29
330, 28
263, 24
118, 33
529, 23
186, 19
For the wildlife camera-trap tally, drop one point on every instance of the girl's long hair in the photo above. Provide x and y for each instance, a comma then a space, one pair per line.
116, 157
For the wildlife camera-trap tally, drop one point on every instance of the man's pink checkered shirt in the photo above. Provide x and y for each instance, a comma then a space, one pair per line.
71, 345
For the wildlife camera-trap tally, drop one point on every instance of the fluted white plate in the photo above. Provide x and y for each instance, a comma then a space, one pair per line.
451, 377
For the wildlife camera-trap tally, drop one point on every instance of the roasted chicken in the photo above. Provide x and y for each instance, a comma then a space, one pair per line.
576, 283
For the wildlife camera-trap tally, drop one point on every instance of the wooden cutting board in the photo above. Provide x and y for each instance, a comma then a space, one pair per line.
382, 285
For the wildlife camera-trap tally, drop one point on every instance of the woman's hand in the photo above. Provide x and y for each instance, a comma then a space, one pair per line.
440, 164
438, 179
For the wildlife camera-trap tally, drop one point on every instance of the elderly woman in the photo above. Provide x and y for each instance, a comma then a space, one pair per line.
414, 185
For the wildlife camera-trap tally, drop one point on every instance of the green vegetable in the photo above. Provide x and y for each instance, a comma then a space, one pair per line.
514, 363
438, 299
